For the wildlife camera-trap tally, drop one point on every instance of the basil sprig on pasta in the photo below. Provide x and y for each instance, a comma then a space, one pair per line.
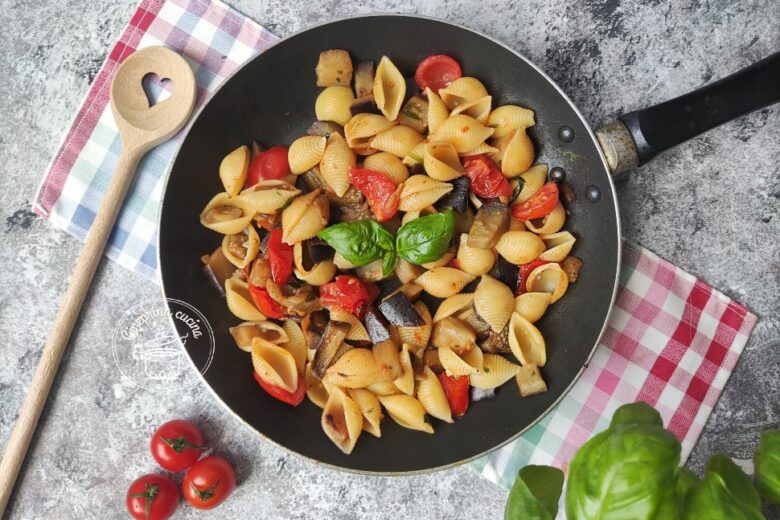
361, 242
425, 239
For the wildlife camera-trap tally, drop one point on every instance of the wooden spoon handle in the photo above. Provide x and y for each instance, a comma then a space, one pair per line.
80, 280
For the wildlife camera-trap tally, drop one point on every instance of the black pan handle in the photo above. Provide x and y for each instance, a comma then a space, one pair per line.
638, 136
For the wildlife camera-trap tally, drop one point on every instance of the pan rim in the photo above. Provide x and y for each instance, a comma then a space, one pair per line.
615, 285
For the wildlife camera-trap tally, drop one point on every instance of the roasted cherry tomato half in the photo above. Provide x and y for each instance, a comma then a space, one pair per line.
457, 391
266, 304
208, 483
349, 293
291, 398
280, 257
152, 497
382, 193
485, 176
539, 205
437, 71
268, 165
177, 444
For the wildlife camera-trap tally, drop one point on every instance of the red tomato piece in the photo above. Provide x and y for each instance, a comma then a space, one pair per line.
539, 205
152, 497
280, 257
348, 293
457, 391
269, 165
525, 270
291, 398
176, 445
485, 176
437, 71
266, 304
209, 482
382, 193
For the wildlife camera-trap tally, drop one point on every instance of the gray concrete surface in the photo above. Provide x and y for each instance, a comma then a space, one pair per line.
710, 206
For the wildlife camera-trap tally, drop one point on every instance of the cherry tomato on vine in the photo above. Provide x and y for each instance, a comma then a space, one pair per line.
177, 444
208, 482
152, 497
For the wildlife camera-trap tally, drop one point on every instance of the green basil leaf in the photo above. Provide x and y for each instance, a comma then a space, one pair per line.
360, 242
517, 187
735, 479
713, 498
388, 263
767, 463
535, 494
636, 413
425, 239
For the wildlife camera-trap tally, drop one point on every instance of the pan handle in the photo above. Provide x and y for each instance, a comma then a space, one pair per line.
638, 136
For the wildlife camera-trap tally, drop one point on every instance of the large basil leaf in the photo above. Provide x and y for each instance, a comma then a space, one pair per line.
767, 463
725, 493
638, 412
425, 239
360, 242
535, 494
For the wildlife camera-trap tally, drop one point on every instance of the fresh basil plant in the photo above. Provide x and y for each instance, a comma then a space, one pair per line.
425, 239
767, 463
361, 242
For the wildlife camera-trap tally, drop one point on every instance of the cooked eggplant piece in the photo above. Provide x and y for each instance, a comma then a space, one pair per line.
316, 250
260, 272
364, 79
371, 272
406, 271
352, 206
218, 269
325, 128
458, 198
376, 325
571, 265
504, 271
480, 394
530, 380
495, 342
453, 333
313, 325
491, 222
471, 317
399, 311
329, 347
414, 114
299, 301
363, 104
334, 68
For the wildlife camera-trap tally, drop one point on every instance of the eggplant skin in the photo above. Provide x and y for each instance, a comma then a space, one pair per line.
505, 272
458, 198
376, 325
399, 311
329, 347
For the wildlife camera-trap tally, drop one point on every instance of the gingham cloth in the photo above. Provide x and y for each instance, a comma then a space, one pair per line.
671, 341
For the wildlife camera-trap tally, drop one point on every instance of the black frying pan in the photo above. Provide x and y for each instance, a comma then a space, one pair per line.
271, 99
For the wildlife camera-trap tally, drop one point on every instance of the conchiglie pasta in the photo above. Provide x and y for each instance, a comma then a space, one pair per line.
406, 411
295, 343
508, 118
315, 390
397, 140
304, 217
357, 368
479, 150
432, 397
462, 90
420, 191
245, 332
495, 372
239, 301
405, 382
445, 259
519, 247
387, 357
225, 214
389, 164
342, 420
441, 161
274, 364
389, 88
526, 342
357, 332
336, 161
362, 128
233, 168
532, 305
453, 364
464, 132
319, 274
548, 278
241, 248
333, 105
549, 224
383, 388
267, 197
533, 180
478, 108
518, 155
474, 358
417, 337
493, 302
558, 246
474, 260
305, 153
415, 157
454, 305
443, 282
370, 408
437, 110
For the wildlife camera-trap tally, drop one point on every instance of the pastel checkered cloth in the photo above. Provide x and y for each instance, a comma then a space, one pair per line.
671, 341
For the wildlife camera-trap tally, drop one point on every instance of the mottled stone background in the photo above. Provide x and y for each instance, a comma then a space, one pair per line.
710, 206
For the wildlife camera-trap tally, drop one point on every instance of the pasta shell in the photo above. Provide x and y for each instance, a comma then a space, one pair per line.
441, 161
306, 216
453, 364
315, 390
267, 197
233, 168
533, 180
226, 215
336, 162
462, 90
388, 164
319, 274
494, 302
549, 224
333, 104
496, 371
406, 411
370, 408
478, 108
398, 140
526, 342
295, 343
480, 149
417, 337
342, 420
420, 191
437, 110
432, 397
519, 247
387, 357
454, 305
405, 382
509, 118
475, 358
443, 282
245, 332
518, 155
239, 301
464, 132
274, 364
383, 388
389, 88
431, 359
415, 157
532, 305
445, 259
362, 127
357, 332
548, 278
474, 260
305, 153
411, 215
241, 248
355, 369
558, 246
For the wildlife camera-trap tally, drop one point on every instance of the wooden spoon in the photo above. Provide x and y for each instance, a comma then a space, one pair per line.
141, 127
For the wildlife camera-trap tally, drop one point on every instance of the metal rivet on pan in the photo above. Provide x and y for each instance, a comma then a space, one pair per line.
557, 174
566, 134
593, 193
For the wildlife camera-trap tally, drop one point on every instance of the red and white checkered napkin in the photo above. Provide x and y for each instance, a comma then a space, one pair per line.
671, 341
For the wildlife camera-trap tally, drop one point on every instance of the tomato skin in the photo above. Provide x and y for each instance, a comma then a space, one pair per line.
382, 193
539, 205
485, 176
437, 71
164, 497
269, 165
266, 304
348, 293
280, 257
209, 482
177, 444
285, 396
457, 391
524, 271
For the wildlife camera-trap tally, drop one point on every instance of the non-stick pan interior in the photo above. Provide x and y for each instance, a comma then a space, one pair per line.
271, 99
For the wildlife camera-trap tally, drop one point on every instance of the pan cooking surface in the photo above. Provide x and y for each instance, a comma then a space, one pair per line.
271, 99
